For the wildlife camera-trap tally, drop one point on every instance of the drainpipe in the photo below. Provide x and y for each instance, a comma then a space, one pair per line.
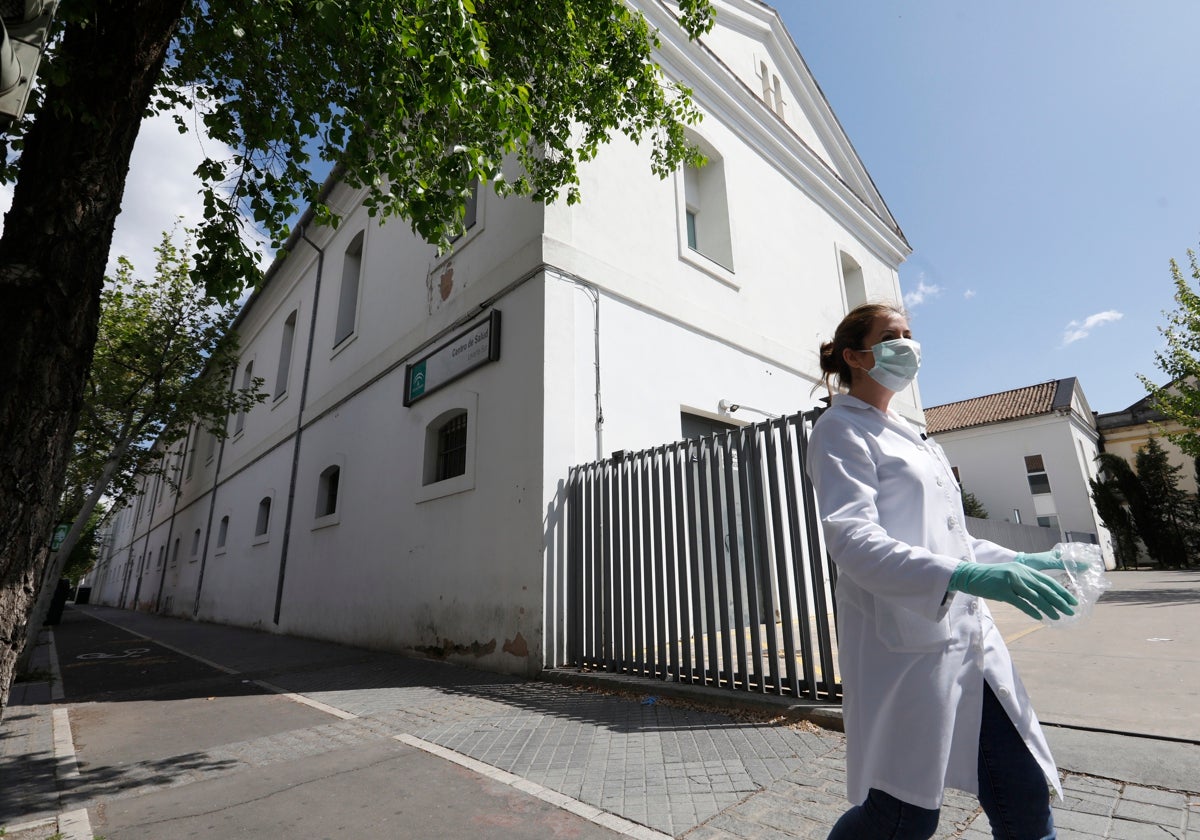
291, 498
162, 578
212, 503
137, 590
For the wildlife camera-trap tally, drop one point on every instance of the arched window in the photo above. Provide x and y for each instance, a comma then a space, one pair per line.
347, 312
263, 524
706, 207
327, 491
247, 382
285, 355
223, 531
451, 447
196, 542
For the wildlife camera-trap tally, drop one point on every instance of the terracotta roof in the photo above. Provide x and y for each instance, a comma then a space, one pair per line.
996, 408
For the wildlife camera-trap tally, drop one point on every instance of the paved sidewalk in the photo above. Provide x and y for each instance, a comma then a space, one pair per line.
640, 768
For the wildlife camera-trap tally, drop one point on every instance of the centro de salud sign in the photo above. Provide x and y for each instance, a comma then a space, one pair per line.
475, 346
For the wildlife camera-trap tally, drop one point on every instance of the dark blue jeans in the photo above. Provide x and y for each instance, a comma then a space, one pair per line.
1012, 791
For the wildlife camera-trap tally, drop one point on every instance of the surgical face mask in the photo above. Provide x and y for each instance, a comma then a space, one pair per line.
896, 363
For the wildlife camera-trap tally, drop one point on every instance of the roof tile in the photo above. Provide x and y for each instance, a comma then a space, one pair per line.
993, 408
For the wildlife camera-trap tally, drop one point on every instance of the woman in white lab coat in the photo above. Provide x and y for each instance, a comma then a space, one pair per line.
932, 699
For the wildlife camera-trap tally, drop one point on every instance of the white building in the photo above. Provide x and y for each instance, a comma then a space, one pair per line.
552, 335
1027, 455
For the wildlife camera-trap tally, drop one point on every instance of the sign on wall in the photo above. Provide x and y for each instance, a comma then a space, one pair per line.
475, 346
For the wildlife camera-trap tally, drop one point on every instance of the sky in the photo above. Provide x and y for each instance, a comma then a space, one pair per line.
1043, 161
1040, 157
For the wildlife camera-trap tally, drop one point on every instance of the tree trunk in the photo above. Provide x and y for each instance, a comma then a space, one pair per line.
55, 567
52, 259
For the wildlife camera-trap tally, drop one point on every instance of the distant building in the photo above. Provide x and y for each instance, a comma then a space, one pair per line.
401, 486
1126, 432
1027, 455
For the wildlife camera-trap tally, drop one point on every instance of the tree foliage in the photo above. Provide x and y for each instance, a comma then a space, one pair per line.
413, 100
1114, 513
1179, 399
1170, 506
972, 506
164, 359
1144, 502
163, 364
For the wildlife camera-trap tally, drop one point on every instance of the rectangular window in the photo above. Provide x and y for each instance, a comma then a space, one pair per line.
1035, 470
691, 230
1048, 521
452, 448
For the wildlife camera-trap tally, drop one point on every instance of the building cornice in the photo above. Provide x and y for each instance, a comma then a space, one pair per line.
721, 93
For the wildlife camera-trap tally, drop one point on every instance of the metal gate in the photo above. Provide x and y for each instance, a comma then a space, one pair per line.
701, 561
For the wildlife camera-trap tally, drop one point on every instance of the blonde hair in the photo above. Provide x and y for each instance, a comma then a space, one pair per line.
850, 334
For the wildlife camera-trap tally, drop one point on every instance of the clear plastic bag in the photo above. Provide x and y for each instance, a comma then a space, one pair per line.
1083, 576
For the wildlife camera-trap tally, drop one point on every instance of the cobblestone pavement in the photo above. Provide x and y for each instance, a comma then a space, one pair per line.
677, 770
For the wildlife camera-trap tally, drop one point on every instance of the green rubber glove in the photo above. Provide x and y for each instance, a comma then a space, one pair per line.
1045, 561
1030, 591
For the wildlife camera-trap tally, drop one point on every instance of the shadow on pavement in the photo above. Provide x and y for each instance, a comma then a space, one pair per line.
368, 683
1152, 597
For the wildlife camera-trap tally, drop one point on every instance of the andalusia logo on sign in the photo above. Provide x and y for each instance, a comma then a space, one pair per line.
416, 380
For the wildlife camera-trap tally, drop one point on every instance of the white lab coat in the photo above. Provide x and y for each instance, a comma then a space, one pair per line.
913, 659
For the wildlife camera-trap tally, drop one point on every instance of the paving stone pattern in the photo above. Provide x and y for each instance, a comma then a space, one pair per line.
681, 771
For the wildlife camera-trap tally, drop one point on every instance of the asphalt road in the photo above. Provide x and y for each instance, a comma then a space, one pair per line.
1118, 692
147, 719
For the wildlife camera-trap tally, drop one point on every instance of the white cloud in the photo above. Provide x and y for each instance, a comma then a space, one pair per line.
159, 189
917, 296
1077, 330
968, 294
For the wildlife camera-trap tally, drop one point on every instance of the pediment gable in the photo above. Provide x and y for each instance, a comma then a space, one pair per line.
757, 53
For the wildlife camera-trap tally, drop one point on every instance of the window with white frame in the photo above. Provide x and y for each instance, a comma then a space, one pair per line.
285, 355
772, 88
247, 382
471, 213
347, 312
1035, 472
327, 491
706, 208
852, 281
190, 458
450, 433
262, 525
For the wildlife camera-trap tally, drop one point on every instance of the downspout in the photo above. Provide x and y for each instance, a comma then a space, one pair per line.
162, 578
212, 504
291, 498
137, 590
594, 295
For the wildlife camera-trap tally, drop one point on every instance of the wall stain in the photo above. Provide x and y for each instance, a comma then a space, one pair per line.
445, 648
518, 646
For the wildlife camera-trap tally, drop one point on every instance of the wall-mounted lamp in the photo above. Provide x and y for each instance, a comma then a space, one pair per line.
727, 407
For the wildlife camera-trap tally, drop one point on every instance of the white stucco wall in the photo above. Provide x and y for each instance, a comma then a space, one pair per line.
991, 464
468, 574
